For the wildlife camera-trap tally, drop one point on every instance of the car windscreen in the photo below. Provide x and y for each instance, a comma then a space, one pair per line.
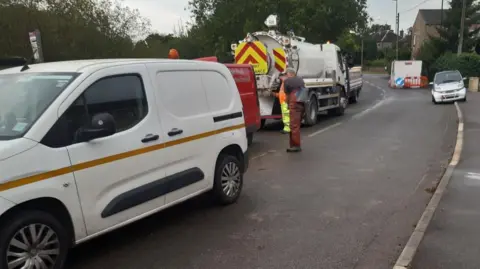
447, 77
25, 96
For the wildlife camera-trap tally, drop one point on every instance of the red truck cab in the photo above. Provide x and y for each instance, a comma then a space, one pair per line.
244, 77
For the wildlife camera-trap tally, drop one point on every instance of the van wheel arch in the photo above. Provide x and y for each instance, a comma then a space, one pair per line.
235, 151
49, 205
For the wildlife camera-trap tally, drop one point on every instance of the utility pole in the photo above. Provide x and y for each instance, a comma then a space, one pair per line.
397, 17
462, 28
361, 58
441, 15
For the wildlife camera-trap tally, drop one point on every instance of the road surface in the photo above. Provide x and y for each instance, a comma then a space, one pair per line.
452, 237
349, 200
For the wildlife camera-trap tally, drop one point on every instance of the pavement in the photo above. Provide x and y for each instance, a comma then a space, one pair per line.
452, 238
349, 200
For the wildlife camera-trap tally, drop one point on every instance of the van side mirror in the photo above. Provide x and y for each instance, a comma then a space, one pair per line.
431, 83
102, 125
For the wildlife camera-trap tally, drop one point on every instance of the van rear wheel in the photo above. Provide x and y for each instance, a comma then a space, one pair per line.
33, 239
228, 180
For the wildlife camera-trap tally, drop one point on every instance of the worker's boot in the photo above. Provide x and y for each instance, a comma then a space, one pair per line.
294, 149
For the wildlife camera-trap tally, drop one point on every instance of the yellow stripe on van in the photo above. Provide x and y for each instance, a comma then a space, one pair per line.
81, 166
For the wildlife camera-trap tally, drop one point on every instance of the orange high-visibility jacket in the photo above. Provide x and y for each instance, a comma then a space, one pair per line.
282, 97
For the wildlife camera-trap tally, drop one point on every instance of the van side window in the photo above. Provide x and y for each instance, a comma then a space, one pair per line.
219, 93
182, 93
121, 96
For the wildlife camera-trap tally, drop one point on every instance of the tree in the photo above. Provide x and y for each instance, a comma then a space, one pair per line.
450, 29
218, 23
71, 29
430, 51
379, 28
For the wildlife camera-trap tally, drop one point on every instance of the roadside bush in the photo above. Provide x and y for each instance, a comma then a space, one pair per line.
376, 63
430, 52
468, 64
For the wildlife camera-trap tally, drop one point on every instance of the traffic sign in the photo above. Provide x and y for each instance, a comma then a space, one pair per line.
399, 82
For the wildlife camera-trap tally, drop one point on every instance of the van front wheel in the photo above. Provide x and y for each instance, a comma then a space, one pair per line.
33, 238
228, 181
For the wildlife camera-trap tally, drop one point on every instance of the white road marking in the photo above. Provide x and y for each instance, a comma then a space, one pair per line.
364, 112
471, 175
325, 129
259, 156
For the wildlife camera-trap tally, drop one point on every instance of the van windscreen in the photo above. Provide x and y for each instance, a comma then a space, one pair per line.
25, 96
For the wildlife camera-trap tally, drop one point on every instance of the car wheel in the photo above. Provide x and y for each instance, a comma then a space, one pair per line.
228, 181
464, 99
433, 100
33, 239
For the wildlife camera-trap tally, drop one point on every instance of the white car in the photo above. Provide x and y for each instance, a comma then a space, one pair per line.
89, 146
448, 86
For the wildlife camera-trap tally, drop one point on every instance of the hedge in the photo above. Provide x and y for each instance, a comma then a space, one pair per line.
468, 64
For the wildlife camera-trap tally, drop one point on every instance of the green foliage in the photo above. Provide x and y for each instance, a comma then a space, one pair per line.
468, 64
222, 22
71, 29
377, 63
450, 29
85, 29
430, 51
349, 42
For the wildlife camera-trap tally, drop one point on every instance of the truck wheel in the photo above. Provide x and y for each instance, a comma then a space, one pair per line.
228, 180
262, 123
343, 101
311, 112
354, 99
32, 238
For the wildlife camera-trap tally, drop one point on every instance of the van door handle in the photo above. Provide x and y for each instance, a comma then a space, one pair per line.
150, 138
174, 132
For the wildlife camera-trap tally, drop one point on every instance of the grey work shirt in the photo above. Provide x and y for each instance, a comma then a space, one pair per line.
293, 83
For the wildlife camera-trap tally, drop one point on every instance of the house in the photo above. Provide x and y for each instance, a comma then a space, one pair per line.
425, 27
385, 39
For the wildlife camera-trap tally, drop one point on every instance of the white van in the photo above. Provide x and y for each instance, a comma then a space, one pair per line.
89, 146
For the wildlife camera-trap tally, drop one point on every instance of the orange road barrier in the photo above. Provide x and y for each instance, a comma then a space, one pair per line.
416, 82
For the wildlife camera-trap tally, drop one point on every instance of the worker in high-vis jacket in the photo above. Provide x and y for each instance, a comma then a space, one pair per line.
282, 97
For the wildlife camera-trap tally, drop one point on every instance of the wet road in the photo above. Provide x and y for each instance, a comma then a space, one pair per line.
349, 200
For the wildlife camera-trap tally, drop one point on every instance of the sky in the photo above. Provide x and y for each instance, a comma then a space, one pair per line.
166, 15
